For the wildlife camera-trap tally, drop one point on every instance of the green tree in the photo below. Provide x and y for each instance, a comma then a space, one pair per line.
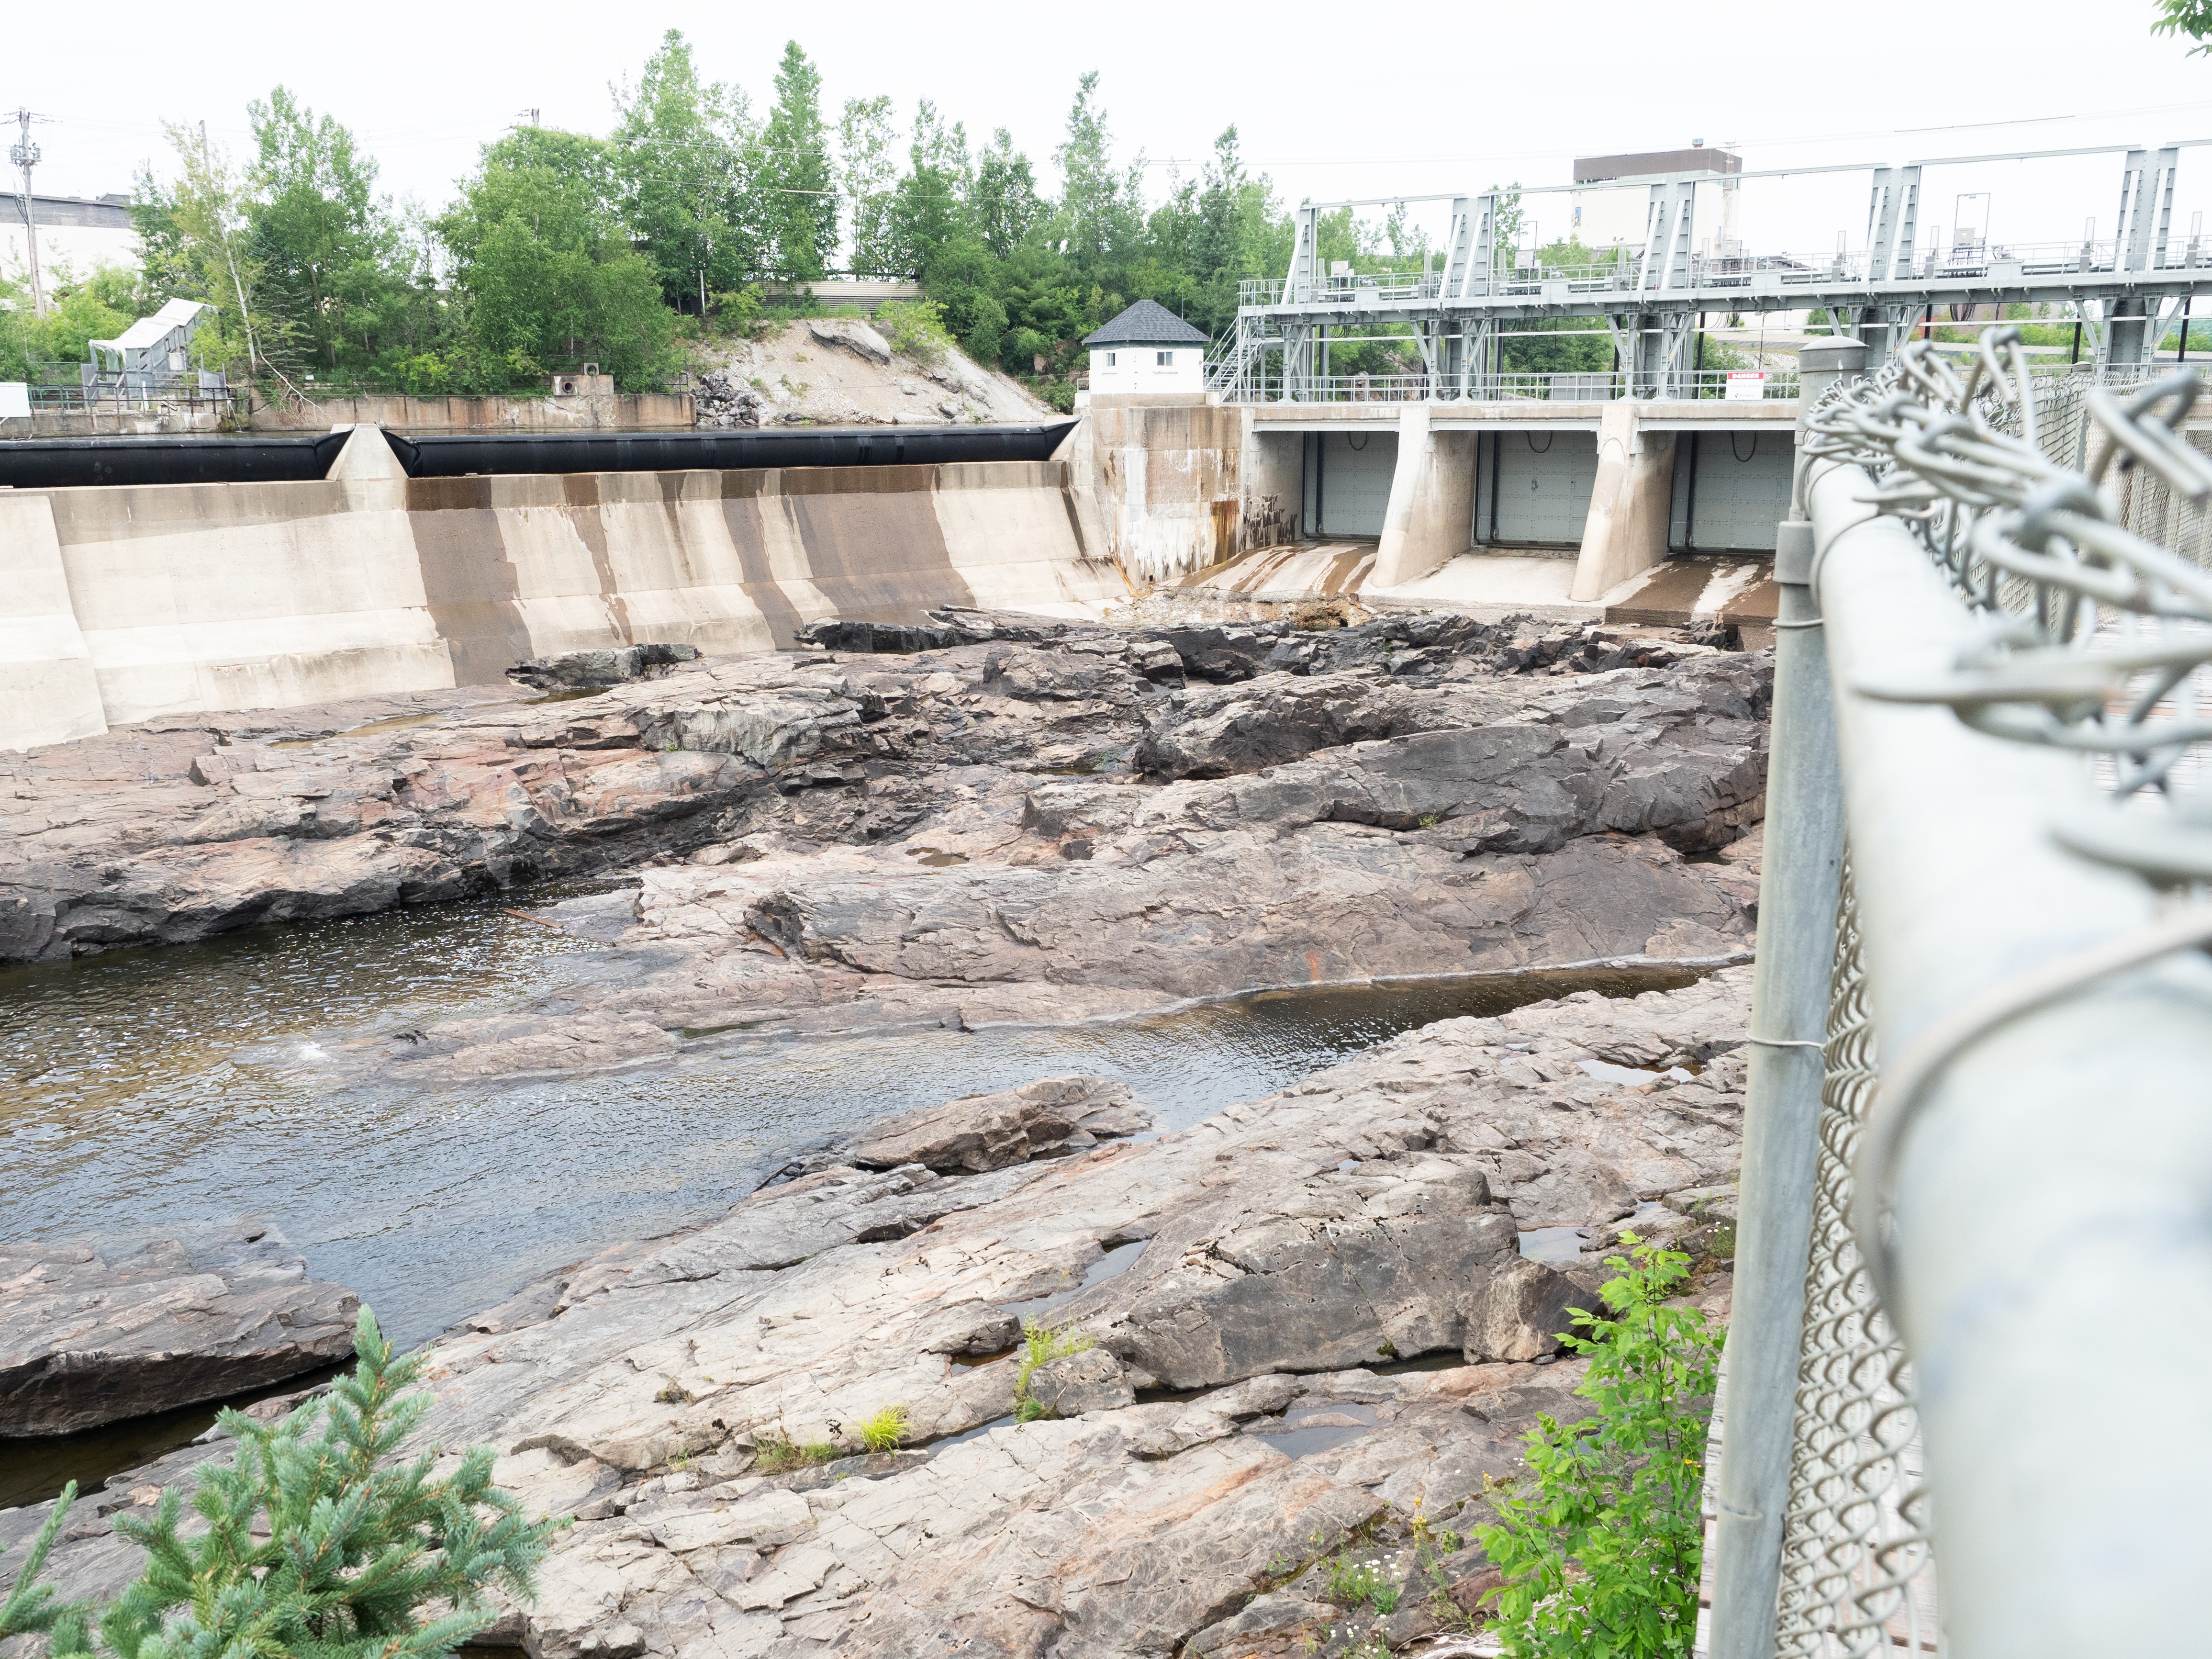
2192, 18
312, 1546
930, 207
195, 243
546, 270
686, 156
1098, 207
1409, 243
1003, 203
794, 175
961, 279
1507, 224
20, 343
1601, 1545
88, 311
325, 241
865, 173
1555, 345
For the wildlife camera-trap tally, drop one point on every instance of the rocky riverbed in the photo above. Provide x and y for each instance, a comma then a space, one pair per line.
1313, 1318
1314, 1315
1048, 822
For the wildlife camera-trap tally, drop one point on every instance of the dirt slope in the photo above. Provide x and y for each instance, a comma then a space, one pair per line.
839, 371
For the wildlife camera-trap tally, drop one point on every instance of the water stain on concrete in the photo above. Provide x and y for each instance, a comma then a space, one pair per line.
471, 585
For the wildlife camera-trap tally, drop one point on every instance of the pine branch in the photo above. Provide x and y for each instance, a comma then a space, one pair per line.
353, 1551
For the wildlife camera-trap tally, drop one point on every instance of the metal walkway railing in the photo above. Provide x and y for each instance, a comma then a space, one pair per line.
1990, 667
1242, 385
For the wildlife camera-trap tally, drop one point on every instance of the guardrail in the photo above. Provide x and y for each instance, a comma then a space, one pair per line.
1976, 1155
137, 393
1620, 270
1566, 386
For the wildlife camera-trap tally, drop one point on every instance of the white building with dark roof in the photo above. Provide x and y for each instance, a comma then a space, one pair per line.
1147, 349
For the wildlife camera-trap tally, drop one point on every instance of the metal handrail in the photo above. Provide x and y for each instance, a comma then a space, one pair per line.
1620, 269
1250, 385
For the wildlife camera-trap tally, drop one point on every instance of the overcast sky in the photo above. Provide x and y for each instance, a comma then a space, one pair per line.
1434, 98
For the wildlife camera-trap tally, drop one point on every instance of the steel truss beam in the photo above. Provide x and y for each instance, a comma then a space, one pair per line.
1459, 318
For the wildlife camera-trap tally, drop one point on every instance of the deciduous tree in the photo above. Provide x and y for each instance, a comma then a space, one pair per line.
794, 174
687, 156
866, 172
326, 242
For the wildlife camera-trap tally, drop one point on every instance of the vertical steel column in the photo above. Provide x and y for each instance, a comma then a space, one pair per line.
1797, 887
2128, 332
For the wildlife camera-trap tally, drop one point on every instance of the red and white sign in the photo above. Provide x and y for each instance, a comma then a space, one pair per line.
1746, 386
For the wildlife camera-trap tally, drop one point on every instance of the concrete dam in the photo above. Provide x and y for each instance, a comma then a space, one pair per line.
172, 575
124, 601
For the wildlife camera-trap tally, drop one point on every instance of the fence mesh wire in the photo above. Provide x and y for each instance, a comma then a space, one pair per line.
1854, 1559
1857, 1565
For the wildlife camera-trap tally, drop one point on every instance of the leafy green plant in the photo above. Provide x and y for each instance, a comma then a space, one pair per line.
884, 1431
1600, 1548
1040, 1346
739, 312
310, 1547
1431, 1544
915, 327
1354, 1581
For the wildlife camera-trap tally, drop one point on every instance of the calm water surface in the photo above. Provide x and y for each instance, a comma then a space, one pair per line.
145, 1089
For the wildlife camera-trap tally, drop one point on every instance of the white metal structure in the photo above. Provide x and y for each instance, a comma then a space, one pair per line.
1649, 296
1976, 1157
159, 344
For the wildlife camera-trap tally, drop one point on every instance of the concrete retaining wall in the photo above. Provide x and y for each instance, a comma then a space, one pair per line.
122, 603
48, 691
1180, 483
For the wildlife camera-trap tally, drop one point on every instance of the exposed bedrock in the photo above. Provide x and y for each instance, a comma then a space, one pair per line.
1454, 739
99, 1331
1273, 1256
979, 1133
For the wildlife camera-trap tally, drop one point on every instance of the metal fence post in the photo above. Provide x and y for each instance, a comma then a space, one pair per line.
1798, 882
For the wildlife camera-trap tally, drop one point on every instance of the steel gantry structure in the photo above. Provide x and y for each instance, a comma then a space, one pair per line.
1651, 299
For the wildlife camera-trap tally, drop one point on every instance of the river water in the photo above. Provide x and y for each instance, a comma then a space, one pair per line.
151, 1088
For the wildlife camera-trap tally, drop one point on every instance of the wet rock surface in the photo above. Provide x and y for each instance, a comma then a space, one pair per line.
1367, 1214
595, 670
1189, 743
100, 1331
978, 1132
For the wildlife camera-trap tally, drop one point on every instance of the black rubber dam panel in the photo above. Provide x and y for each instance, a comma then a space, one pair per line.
459, 453
68, 463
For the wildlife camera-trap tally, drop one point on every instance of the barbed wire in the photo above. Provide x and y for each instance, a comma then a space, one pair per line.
2094, 642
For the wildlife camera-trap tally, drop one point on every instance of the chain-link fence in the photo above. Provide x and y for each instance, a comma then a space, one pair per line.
2071, 518
1855, 1567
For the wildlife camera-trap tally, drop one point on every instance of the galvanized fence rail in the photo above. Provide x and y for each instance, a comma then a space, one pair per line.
1998, 1253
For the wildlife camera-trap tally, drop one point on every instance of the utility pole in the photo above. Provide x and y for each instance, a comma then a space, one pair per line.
25, 154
